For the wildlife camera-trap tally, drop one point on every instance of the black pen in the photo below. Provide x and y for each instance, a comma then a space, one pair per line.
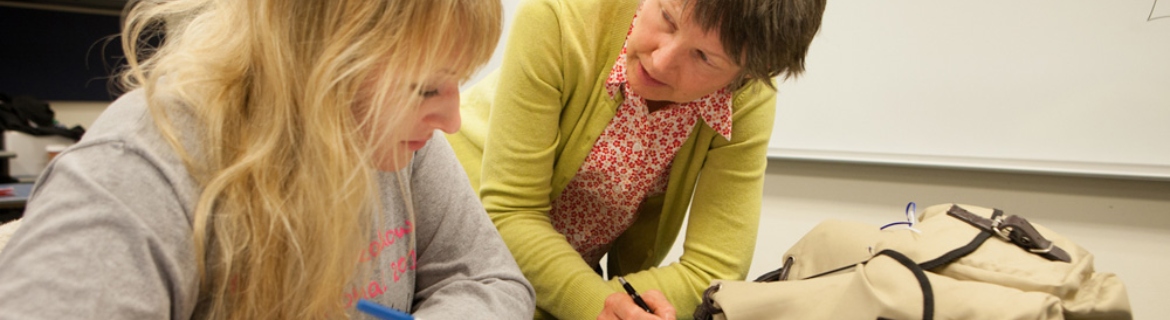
634, 294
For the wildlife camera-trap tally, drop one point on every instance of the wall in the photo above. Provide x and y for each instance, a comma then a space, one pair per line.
1124, 223
83, 113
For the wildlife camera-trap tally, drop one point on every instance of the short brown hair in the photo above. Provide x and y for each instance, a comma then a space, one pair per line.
766, 38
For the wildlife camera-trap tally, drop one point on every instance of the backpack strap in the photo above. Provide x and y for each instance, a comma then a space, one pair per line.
707, 309
964, 250
1014, 229
923, 281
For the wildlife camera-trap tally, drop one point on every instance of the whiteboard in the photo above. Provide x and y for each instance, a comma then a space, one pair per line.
1052, 86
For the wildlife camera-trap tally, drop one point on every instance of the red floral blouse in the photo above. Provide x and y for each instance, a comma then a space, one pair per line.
629, 162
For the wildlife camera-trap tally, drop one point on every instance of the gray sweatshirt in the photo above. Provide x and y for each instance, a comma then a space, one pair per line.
107, 234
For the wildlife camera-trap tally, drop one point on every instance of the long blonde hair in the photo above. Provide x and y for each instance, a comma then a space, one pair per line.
289, 192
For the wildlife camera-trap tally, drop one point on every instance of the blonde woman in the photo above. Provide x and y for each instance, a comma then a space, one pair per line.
275, 159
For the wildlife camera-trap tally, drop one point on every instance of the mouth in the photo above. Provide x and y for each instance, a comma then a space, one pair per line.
415, 145
649, 79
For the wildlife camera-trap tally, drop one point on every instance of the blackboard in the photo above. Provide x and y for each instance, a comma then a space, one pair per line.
58, 55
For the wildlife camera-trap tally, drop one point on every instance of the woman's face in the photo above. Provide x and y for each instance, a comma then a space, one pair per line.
671, 58
439, 109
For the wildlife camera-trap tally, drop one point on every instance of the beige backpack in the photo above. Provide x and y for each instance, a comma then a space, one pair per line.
956, 262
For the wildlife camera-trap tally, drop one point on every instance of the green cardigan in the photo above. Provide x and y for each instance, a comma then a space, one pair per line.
528, 127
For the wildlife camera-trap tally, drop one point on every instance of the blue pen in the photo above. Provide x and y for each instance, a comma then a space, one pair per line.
381, 312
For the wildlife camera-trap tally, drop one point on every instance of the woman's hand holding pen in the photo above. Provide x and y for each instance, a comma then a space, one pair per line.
620, 305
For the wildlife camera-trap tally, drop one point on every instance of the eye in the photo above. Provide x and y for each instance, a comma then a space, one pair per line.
669, 20
429, 93
705, 58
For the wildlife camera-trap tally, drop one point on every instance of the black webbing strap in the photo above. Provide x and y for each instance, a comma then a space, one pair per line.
964, 250
923, 282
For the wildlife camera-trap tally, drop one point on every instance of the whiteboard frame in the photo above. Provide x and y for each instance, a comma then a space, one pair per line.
1103, 170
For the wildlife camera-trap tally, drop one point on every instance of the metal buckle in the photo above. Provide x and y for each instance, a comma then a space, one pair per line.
1043, 251
1003, 233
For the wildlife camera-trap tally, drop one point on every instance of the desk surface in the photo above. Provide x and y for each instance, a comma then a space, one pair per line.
18, 199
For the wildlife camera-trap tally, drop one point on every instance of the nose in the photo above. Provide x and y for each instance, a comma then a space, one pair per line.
666, 55
446, 114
